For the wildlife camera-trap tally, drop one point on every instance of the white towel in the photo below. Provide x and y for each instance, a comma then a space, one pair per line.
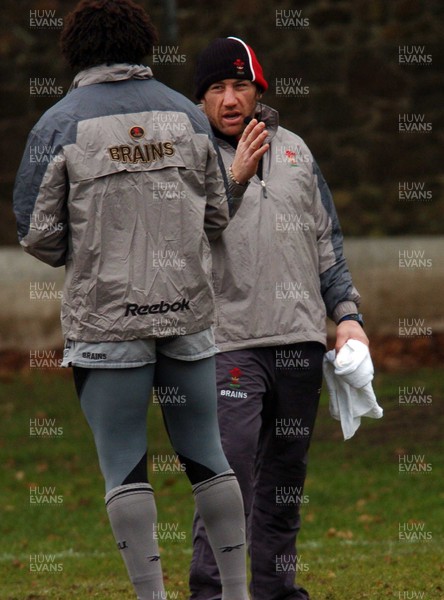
348, 376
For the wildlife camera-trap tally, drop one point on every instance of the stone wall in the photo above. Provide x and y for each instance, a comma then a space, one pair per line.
401, 281
342, 73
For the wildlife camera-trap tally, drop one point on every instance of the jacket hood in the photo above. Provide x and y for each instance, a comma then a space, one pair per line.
107, 73
270, 117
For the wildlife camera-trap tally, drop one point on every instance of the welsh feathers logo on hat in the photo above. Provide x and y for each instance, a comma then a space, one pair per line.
239, 64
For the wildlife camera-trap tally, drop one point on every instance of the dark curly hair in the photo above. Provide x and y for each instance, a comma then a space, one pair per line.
106, 31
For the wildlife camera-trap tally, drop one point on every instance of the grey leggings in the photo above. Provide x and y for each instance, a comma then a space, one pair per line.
115, 404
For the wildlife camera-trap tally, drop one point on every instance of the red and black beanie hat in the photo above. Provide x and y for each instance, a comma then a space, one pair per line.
227, 58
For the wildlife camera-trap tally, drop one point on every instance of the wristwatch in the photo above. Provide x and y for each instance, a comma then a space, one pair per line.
353, 317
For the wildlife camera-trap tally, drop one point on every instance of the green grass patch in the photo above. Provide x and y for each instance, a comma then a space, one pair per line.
349, 546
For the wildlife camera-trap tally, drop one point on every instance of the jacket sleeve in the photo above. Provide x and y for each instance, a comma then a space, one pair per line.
339, 294
40, 195
234, 192
217, 210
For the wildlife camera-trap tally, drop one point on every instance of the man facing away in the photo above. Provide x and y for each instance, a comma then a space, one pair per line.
93, 203
278, 271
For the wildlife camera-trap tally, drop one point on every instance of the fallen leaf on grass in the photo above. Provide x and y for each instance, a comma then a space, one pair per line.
18, 564
400, 451
369, 518
344, 535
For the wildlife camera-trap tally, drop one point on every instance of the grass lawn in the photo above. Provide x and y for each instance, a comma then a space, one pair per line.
57, 543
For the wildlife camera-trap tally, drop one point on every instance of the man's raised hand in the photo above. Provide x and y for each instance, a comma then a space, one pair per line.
250, 149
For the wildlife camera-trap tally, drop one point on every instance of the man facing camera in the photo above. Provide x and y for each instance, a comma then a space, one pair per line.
278, 271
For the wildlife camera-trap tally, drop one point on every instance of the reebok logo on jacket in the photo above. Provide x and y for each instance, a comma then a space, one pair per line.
150, 309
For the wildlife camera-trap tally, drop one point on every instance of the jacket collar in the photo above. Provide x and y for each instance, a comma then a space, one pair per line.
107, 73
270, 117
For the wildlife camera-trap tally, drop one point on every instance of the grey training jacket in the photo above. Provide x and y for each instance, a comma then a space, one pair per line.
121, 183
279, 268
